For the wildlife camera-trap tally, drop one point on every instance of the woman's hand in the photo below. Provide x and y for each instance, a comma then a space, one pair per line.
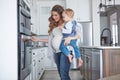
67, 40
35, 39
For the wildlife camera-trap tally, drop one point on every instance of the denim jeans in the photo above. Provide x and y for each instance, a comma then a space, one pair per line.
65, 50
63, 66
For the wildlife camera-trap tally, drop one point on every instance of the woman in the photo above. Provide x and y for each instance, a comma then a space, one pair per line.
55, 36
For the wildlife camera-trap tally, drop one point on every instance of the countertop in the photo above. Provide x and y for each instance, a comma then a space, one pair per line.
101, 47
115, 77
39, 47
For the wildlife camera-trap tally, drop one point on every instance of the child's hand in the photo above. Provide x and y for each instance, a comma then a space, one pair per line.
67, 41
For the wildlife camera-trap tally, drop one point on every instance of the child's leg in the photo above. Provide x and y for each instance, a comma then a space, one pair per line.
80, 61
64, 48
70, 58
75, 47
65, 51
77, 52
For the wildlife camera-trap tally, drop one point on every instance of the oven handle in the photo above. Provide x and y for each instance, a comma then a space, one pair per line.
25, 13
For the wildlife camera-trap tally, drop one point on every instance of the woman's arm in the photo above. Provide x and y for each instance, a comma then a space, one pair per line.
36, 39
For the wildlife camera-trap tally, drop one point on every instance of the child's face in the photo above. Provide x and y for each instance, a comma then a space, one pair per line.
66, 18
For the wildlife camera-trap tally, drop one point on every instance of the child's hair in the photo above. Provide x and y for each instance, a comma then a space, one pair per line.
69, 12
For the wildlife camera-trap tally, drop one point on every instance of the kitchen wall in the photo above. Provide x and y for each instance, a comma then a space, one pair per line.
96, 22
8, 40
103, 23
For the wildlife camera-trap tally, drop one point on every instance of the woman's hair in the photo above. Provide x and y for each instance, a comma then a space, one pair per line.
59, 9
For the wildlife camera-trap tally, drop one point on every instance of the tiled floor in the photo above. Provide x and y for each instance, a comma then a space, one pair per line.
53, 75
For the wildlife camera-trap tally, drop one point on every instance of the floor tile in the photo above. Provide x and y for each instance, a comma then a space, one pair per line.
53, 75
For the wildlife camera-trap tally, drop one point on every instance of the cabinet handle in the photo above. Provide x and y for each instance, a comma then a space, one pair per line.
34, 62
33, 53
87, 59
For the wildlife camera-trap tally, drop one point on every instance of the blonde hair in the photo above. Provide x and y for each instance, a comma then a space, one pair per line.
69, 12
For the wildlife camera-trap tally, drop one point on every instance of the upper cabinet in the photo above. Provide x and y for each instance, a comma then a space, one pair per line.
82, 9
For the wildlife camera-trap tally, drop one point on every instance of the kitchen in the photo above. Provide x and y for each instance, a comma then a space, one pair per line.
89, 13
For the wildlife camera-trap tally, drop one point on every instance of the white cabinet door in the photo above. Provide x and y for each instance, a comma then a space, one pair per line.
34, 17
37, 63
34, 64
82, 9
34, 69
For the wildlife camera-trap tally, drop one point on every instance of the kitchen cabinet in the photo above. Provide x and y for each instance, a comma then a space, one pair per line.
86, 67
90, 68
37, 63
100, 62
96, 61
34, 65
40, 62
111, 59
82, 9
34, 16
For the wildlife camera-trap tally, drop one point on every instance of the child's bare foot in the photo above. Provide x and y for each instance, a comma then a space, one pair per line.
70, 58
80, 62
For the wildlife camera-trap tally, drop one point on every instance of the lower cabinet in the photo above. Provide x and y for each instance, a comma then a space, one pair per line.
111, 59
40, 62
37, 63
34, 69
99, 63
91, 64
86, 67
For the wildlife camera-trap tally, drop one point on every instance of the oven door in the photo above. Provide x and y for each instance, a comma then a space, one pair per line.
24, 47
25, 57
24, 19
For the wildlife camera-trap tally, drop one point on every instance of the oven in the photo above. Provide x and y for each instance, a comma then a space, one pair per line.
24, 17
25, 56
24, 46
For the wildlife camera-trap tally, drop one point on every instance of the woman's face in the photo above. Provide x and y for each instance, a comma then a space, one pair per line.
55, 16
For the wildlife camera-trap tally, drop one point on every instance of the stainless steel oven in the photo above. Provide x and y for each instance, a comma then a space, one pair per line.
24, 46
25, 56
24, 17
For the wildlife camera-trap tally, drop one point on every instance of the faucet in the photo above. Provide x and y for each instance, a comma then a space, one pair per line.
110, 42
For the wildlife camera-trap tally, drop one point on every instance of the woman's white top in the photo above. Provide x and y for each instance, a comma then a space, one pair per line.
57, 37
